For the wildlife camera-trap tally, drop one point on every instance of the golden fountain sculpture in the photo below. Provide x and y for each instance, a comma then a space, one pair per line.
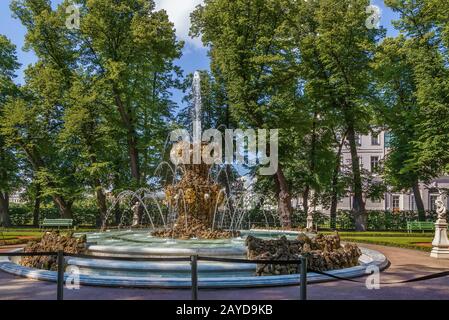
196, 198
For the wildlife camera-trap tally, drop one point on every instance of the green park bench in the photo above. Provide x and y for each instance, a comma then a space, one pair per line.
420, 226
327, 225
53, 223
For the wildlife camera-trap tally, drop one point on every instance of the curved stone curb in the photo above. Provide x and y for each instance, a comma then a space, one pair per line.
368, 258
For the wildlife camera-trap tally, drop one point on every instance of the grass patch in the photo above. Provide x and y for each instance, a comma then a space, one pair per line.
16, 237
15, 241
382, 234
401, 242
19, 235
16, 234
415, 240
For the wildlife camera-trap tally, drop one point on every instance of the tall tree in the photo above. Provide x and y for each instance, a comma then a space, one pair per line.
424, 25
8, 165
246, 48
133, 47
87, 135
98, 94
399, 112
35, 119
336, 49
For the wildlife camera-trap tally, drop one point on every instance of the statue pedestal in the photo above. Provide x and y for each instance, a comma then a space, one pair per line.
440, 242
309, 223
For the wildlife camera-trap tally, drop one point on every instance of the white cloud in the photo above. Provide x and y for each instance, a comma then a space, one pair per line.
179, 13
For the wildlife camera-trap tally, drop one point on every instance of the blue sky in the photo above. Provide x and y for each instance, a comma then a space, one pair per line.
194, 55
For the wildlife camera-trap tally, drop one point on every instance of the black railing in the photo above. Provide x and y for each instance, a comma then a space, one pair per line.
302, 263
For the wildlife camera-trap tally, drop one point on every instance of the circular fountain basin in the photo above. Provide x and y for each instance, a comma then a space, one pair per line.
177, 274
141, 244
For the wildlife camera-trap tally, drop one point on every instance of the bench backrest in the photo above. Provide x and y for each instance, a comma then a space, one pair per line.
56, 222
420, 224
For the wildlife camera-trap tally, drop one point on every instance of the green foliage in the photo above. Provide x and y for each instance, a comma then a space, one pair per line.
9, 167
423, 25
97, 100
83, 215
377, 220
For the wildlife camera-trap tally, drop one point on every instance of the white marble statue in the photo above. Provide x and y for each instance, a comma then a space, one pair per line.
440, 243
441, 209
309, 225
135, 208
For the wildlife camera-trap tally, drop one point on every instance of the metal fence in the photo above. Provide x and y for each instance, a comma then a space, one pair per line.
302, 264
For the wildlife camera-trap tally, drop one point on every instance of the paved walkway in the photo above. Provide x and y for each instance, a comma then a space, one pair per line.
405, 264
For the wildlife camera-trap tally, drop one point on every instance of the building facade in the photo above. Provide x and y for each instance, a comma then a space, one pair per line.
372, 149
16, 198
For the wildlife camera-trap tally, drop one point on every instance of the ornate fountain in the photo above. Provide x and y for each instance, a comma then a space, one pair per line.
197, 198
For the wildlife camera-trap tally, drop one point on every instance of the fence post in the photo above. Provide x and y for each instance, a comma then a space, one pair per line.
60, 281
194, 270
303, 282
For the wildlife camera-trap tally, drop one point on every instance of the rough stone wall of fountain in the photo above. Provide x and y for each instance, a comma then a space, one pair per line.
52, 242
323, 253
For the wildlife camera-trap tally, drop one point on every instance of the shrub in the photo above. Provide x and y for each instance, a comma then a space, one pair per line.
377, 220
23, 215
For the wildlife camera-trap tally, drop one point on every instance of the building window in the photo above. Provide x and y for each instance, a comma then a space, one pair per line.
360, 162
358, 140
374, 164
375, 139
387, 139
395, 203
412, 203
433, 204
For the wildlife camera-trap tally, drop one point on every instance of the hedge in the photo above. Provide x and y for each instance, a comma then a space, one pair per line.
22, 215
377, 220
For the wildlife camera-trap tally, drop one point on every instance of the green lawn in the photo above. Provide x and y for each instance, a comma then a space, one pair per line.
12, 236
419, 241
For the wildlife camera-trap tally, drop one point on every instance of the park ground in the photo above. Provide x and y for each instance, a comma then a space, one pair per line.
405, 264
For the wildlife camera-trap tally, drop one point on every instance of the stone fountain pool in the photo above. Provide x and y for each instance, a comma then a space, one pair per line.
175, 274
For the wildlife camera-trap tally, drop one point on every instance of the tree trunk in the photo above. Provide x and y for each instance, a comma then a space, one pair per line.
5, 220
101, 203
305, 199
333, 212
101, 198
285, 209
334, 197
65, 208
419, 202
134, 158
358, 203
127, 121
37, 206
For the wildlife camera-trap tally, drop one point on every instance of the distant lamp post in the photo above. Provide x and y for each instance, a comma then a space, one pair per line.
440, 243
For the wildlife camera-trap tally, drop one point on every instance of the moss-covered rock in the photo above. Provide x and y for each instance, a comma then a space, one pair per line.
324, 252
